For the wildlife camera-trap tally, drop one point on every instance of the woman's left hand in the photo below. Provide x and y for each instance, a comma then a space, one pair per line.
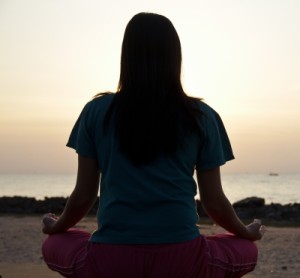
49, 220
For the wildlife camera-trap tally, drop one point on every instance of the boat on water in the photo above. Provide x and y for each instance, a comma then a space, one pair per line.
273, 174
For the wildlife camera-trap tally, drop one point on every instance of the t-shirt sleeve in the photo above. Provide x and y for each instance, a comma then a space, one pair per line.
216, 148
81, 138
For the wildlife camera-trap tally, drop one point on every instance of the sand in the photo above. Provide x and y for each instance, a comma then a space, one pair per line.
21, 237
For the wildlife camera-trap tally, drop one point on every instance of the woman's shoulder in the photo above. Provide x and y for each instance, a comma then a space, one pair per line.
98, 105
100, 101
103, 98
203, 107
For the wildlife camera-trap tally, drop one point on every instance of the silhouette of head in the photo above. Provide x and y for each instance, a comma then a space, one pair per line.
151, 55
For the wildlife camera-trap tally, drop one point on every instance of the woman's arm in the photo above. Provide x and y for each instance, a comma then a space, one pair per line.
219, 208
81, 200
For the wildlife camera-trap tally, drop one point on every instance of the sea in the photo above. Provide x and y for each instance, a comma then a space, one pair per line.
273, 187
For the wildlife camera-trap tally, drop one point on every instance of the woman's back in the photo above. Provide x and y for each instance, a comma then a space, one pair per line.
152, 203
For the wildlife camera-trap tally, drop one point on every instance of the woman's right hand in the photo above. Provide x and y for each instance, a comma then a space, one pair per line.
220, 210
256, 230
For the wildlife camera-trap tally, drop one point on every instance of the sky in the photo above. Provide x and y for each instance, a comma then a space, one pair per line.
242, 57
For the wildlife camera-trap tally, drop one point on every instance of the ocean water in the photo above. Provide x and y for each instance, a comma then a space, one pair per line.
283, 188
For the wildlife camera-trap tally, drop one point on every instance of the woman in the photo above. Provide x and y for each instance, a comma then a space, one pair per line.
146, 141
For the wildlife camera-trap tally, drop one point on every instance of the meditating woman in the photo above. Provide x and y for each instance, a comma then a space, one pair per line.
145, 141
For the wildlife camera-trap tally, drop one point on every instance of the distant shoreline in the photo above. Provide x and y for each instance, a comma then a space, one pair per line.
246, 209
53, 198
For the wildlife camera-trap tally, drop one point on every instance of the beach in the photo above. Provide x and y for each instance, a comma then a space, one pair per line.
21, 238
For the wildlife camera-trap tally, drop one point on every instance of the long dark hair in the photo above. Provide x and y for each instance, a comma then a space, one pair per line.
152, 113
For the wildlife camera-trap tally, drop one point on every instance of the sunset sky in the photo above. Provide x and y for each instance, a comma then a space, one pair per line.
241, 56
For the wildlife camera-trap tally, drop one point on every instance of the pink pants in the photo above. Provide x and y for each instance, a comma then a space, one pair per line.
72, 255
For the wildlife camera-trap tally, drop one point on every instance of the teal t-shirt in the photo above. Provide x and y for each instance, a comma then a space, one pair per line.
154, 203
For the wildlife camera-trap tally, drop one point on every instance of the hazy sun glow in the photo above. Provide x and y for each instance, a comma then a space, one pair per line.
241, 56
